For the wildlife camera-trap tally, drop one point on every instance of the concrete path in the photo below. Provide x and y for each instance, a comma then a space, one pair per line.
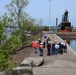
61, 64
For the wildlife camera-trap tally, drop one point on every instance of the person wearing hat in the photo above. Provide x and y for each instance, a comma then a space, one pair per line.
61, 48
41, 49
48, 48
45, 36
47, 40
65, 46
44, 42
35, 45
52, 47
39, 41
56, 47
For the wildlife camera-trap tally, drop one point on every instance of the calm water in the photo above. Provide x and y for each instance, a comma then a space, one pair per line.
72, 43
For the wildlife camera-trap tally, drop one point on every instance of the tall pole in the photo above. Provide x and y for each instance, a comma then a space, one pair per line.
56, 25
49, 12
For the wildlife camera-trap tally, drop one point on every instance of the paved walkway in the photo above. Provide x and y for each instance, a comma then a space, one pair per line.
61, 64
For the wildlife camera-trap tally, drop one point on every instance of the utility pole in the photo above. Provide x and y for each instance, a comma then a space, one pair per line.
56, 25
49, 12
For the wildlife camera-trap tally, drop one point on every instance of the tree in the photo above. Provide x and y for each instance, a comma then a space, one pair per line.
18, 16
16, 12
14, 20
18, 20
40, 22
5, 63
46, 28
3, 22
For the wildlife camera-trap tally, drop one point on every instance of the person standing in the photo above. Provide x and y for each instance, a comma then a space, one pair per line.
44, 42
39, 41
35, 45
52, 48
45, 36
48, 48
61, 48
56, 48
65, 46
47, 40
41, 49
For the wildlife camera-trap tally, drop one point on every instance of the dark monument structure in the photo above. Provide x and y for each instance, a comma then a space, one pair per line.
65, 24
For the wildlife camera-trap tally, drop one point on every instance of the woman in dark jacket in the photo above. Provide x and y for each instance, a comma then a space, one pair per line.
52, 48
48, 48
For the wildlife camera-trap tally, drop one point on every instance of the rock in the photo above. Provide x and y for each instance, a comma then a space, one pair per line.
22, 71
26, 62
37, 61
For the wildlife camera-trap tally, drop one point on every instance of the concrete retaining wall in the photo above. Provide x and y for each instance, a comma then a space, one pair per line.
71, 37
69, 48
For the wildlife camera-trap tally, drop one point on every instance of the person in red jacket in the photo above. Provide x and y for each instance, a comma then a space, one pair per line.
35, 45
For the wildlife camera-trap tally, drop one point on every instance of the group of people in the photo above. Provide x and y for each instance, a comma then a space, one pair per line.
53, 47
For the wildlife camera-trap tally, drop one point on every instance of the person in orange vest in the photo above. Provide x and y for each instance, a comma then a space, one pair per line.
35, 45
41, 49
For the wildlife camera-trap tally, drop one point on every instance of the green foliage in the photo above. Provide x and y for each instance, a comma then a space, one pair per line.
19, 18
33, 38
5, 50
46, 28
13, 43
34, 29
40, 22
4, 61
15, 8
2, 25
19, 21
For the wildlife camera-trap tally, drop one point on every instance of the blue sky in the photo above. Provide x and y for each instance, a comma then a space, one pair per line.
40, 9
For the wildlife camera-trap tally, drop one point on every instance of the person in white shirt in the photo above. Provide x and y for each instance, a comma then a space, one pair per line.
56, 48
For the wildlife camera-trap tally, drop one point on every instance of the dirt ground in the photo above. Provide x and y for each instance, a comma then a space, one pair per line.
21, 54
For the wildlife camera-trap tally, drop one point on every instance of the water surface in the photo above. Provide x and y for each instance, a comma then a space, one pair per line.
72, 43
